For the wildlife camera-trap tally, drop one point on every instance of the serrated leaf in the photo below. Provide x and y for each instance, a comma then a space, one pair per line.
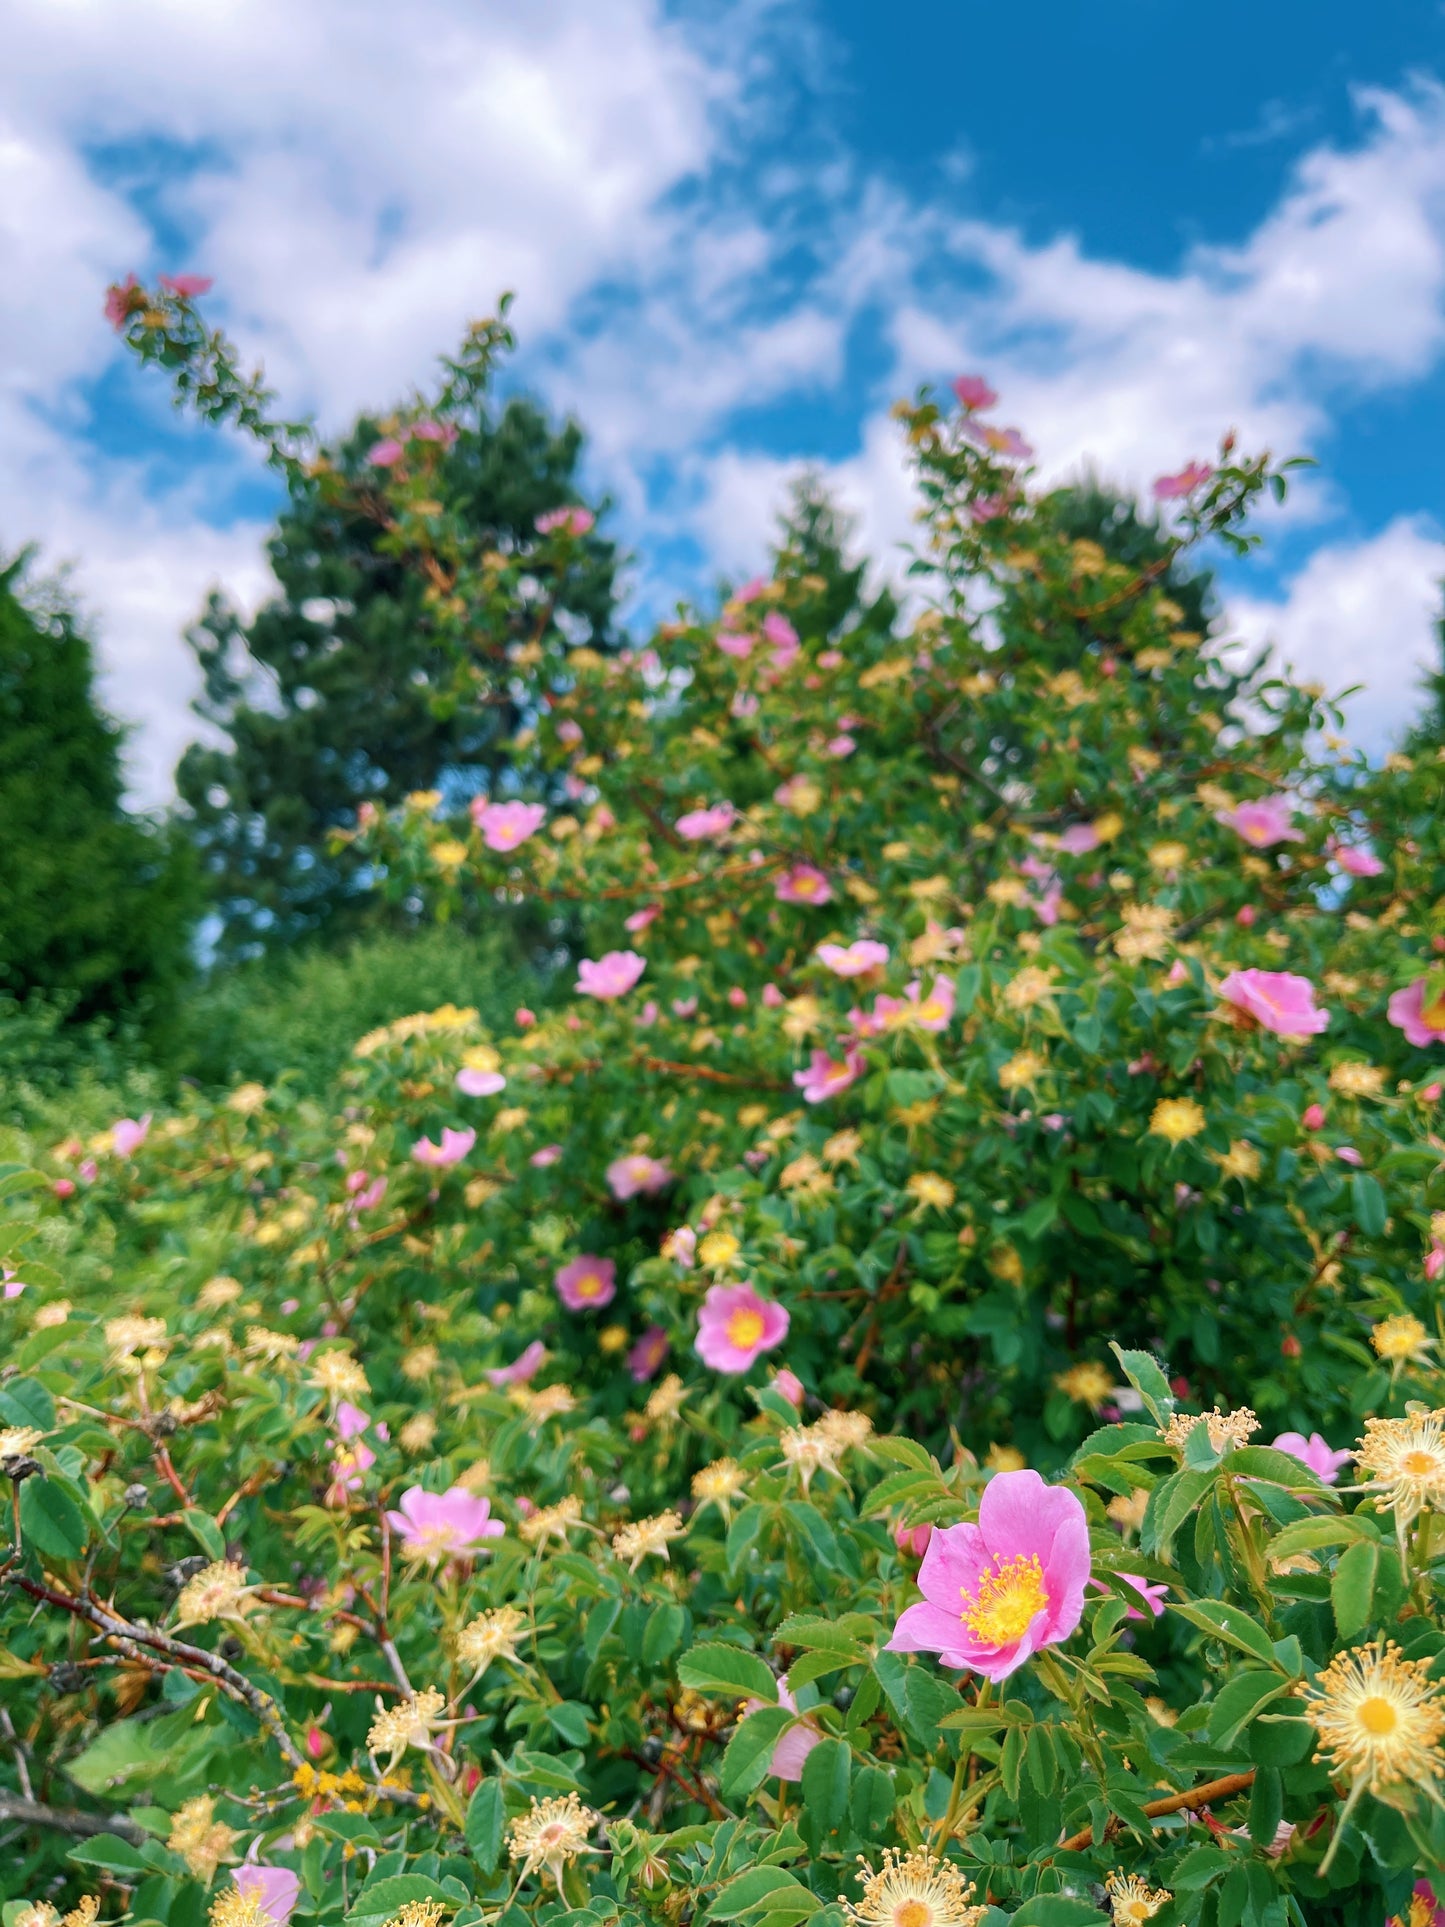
750, 1750
50, 1520
1352, 1587
825, 1783
484, 1825
1233, 1624
727, 1671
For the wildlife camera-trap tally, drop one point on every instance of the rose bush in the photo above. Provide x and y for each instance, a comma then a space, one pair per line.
501, 1487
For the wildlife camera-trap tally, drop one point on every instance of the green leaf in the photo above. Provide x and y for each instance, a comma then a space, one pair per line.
24, 1402
1143, 1372
206, 1533
763, 1889
1057, 1910
721, 1671
662, 1633
50, 1520
108, 1850
750, 1750
484, 1825
1171, 1502
825, 1783
1230, 1623
569, 1718
1367, 1203
1266, 1805
871, 1804
1277, 1468
1352, 1587
827, 1635
1237, 1702
380, 1899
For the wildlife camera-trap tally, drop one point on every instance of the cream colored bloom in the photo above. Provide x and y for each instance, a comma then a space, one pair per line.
200, 1839
419, 1363
416, 1436
1177, 1118
339, 1375
809, 1449
933, 1191
127, 1335
551, 1521
1225, 1429
490, 1635
718, 1484
1087, 1383
1402, 1340
550, 1401
1241, 1160
232, 1908
1132, 1900
665, 1400
219, 1591
843, 1148
218, 1292
850, 1431
915, 1889
718, 1248
18, 1441
551, 1834
1357, 1080
1379, 1717
644, 1537
1022, 1071
268, 1346
411, 1723
1027, 987
1403, 1459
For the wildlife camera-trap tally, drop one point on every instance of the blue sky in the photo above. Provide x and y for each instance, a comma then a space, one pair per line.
736, 232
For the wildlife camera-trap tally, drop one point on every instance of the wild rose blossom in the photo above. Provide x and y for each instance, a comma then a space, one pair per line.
738, 647
120, 300
1268, 821
825, 1076
523, 1368
453, 1148
795, 1743
587, 1283
852, 959
1277, 1001
129, 1134
506, 826
386, 453
681, 1246
648, 1355
973, 393
1355, 859
735, 1326
803, 884
275, 1890
1315, 1452
566, 521
637, 1175
475, 1083
641, 919
1172, 488
1079, 839
189, 287
444, 1525
698, 825
787, 1385
1006, 444
612, 975
935, 1011
1151, 1595
996, 1592
1422, 1023
783, 637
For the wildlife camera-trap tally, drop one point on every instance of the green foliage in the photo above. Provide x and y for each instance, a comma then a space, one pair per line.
96, 904
1074, 1184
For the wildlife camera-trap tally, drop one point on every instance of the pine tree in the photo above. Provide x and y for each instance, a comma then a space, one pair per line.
95, 903
333, 694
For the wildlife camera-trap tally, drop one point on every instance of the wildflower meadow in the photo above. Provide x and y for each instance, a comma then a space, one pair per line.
906, 1390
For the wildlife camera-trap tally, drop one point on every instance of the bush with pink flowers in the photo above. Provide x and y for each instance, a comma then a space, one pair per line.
630, 1465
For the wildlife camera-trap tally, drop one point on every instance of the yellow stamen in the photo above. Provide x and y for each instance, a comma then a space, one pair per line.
745, 1328
1006, 1601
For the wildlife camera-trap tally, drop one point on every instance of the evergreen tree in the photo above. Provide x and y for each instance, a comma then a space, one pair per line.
827, 591
95, 904
335, 693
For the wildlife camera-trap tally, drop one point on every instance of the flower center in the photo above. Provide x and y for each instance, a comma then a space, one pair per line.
1433, 1015
1420, 1464
745, 1328
589, 1286
1378, 1716
1006, 1601
912, 1913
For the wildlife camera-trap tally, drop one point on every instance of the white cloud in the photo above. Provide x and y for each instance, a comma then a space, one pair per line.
1359, 613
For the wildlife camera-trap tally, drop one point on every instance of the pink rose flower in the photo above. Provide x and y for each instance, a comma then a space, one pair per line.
738, 647
987, 508
840, 746
524, 1018
750, 591
1171, 488
684, 1006
1355, 859
479, 1083
1276, 1000
569, 731
549, 1154
735, 1326
64, 1187
188, 287
995, 1592
637, 1175
1422, 1024
825, 1077
912, 1539
973, 393
1313, 1117
587, 1283
351, 1421
852, 959
793, 791
1315, 1452
275, 1890
1079, 839
452, 1149
129, 1134
367, 1197
640, 919
1347, 1154
780, 633
681, 1246
522, 1369
430, 431
444, 1525
386, 453
787, 1385
119, 304
1153, 1596
566, 521
1005, 443
1263, 823
803, 884
773, 998
646, 1358
13, 1285
935, 1011
610, 976
795, 1743
505, 826
698, 825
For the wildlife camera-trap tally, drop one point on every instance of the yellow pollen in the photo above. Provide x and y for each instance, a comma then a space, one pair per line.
1378, 1716
745, 1328
1006, 1601
589, 1286
1419, 1465
912, 1913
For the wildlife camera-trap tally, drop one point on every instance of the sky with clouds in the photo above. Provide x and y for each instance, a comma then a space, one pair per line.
737, 230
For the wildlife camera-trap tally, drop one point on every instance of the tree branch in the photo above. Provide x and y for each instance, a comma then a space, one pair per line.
1200, 1796
32, 1813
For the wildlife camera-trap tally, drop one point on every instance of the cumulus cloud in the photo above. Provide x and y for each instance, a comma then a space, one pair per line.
363, 179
